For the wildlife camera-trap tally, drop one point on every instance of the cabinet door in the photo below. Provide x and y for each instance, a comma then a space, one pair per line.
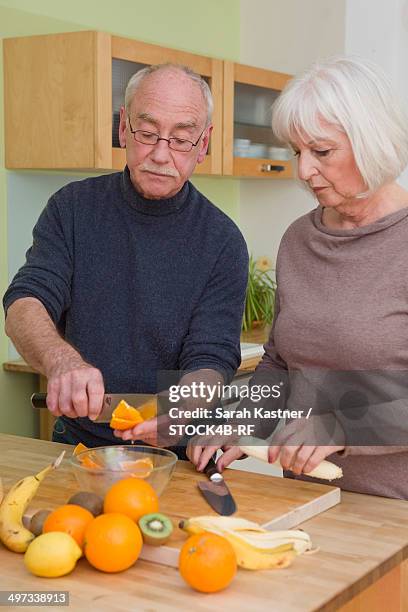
63, 93
128, 56
49, 101
250, 147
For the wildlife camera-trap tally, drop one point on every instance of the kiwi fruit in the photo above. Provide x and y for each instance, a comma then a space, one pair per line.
156, 528
37, 521
88, 500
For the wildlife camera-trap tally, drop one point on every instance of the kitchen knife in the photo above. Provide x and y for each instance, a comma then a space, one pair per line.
216, 492
110, 401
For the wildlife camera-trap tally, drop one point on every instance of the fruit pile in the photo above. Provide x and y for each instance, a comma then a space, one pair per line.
110, 533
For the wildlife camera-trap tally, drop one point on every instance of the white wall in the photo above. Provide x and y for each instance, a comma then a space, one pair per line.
287, 36
384, 40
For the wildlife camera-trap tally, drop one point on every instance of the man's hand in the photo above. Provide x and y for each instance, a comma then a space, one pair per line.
153, 431
75, 389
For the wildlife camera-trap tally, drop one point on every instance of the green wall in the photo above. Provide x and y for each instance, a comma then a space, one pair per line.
210, 28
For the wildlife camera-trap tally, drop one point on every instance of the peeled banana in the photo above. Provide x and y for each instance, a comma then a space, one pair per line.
325, 470
255, 547
13, 534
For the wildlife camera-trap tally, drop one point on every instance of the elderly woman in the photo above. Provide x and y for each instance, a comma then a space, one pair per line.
342, 298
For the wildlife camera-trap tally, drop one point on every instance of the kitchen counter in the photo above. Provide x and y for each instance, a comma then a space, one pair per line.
360, 565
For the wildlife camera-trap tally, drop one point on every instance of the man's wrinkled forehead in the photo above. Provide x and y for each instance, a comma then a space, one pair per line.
172, 90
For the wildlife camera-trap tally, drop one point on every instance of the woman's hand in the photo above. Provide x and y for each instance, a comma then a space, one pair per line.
303, 443
200, 454
301, 459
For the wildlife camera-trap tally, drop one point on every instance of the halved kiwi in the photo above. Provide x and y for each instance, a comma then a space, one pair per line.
156, 528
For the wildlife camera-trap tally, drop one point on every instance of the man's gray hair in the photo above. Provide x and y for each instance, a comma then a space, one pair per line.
355, 96
140, 75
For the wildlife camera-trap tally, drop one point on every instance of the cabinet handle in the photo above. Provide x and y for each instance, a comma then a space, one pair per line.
272, 168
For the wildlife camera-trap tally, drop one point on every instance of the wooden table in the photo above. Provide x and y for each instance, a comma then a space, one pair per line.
360, 566
47, 420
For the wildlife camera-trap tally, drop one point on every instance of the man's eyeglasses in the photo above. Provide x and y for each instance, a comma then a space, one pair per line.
151, 138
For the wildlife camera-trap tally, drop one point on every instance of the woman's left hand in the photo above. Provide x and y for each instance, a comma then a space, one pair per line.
303, 443
301, 459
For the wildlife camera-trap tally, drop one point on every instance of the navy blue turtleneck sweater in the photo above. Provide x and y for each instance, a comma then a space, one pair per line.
138, 286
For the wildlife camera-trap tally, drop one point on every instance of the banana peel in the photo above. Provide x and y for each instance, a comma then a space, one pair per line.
13, 534
251, 558
254, 546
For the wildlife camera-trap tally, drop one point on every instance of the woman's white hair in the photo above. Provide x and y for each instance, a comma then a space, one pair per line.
354, 95
140, 75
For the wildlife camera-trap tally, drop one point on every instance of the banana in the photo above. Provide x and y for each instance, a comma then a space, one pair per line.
325, 470
252, 559
13, 534
1, 491
254, 546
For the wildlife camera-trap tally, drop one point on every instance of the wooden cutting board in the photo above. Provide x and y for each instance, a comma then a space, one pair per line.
276, 503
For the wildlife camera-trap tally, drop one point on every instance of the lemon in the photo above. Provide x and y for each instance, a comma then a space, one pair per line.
52, 554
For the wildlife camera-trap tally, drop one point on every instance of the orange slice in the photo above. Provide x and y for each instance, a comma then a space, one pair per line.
85, 461
123, 424
141, 468
125, 416
79, 448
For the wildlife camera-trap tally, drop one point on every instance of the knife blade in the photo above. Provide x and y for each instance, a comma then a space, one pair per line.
110, 401
216, 492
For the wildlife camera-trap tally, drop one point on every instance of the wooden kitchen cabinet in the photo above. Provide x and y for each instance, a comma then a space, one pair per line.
63, 93
250, 148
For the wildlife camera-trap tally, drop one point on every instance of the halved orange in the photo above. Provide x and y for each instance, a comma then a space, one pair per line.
125, 416
141, 468
85, 461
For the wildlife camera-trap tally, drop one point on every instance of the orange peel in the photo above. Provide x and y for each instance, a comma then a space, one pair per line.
141, 468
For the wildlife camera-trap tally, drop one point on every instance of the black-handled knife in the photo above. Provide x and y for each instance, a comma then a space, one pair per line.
110, 401
216, 492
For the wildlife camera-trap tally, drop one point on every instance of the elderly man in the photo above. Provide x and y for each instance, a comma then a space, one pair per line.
134, 272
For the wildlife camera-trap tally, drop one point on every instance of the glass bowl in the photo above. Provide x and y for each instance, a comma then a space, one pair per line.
105, 465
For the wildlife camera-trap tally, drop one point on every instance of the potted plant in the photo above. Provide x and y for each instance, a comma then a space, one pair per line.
260, 300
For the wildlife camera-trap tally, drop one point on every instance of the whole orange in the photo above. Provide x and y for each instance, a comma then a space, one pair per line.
207, 562
131, 496
112, 542
70, 518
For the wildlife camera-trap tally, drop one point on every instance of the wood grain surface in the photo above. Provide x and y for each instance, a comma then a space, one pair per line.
362, 540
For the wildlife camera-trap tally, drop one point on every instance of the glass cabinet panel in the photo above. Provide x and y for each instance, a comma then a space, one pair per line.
122, 70
253, 136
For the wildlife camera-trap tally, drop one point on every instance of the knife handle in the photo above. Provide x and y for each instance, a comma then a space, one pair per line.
39, 400
211, 468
